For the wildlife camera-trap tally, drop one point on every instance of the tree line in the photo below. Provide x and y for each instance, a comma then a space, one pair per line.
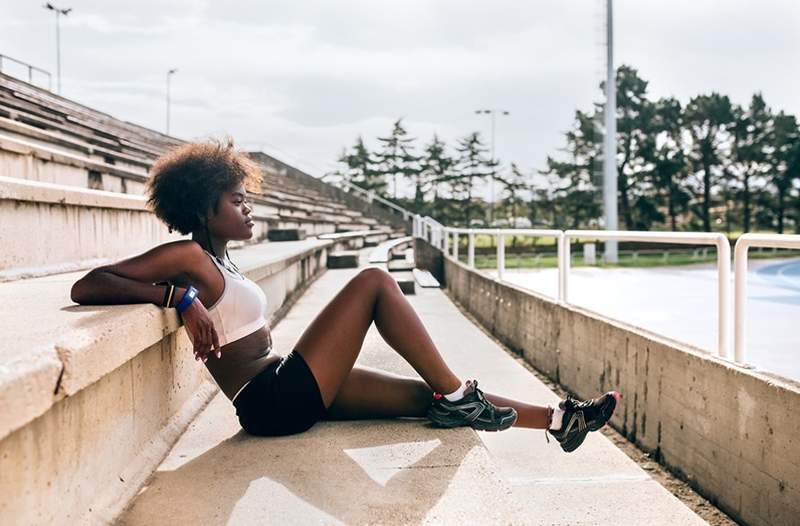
711, 165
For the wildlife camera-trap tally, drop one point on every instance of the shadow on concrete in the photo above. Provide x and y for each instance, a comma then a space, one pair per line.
354, 472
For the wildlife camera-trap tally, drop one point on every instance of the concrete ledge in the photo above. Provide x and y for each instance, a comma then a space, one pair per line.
731, 432
383, 252
110, 390
47, 154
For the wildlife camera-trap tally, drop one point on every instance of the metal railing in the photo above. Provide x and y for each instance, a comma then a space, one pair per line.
31, 69
370, 196
740, 279
686, 238
439, 236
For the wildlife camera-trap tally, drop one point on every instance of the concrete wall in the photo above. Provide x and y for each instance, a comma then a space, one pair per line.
732, 433
85, 458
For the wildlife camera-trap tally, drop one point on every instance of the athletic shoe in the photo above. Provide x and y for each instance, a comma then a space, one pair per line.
473, 410
580, 417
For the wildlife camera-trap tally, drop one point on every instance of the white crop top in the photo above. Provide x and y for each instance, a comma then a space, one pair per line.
240, 309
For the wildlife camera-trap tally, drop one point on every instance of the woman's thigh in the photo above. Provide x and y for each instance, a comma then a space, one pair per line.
331, 343
372, 393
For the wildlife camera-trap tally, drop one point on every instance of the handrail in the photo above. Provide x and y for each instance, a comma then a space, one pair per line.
438, 235
744, 242
30, 67
687, 238
371, 196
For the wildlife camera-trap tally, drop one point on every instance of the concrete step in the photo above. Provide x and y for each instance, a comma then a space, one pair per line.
400, 265
406, 281
286, 234
425, 278
343, 259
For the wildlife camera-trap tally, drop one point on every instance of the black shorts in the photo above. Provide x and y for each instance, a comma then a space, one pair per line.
283, 399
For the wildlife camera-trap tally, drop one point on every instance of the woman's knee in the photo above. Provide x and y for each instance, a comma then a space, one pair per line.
377, 278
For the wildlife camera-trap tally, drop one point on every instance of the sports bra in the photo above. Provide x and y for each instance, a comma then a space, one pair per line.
240, 309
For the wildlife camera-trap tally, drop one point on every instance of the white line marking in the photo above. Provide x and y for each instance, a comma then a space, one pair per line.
602, 479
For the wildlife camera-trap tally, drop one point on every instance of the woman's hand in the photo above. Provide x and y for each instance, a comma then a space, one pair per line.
201, 331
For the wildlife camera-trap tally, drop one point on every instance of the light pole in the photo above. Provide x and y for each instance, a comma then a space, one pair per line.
58, 12
610, 141
169, 76
492, 112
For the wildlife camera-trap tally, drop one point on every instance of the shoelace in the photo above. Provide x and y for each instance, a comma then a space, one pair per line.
479, 395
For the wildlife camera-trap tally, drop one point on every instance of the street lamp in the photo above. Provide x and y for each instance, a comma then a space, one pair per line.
492, 112
169, 76
59, 12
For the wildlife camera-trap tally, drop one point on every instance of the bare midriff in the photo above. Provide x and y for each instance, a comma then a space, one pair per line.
241, 360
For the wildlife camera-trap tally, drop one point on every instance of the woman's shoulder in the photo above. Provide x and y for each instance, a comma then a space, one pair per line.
204, 274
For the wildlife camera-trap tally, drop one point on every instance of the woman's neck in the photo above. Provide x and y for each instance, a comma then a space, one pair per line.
209, 242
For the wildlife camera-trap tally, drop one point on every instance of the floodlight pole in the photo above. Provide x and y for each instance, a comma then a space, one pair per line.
492, 112
169, 76
58, 12
610, 141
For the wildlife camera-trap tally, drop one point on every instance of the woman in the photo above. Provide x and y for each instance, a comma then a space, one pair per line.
201, 189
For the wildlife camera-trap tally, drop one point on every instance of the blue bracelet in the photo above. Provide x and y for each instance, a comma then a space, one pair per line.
186, 300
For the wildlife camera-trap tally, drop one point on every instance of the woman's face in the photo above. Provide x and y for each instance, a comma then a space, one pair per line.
233, 215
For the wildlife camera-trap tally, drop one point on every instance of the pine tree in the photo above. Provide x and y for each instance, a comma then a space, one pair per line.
395, 159
707, 119
436, 172
513, 186
472, 167
360, 168
785, 165
669, 162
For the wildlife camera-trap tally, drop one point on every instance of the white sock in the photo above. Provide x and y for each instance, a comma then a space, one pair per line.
558, 416
458, 394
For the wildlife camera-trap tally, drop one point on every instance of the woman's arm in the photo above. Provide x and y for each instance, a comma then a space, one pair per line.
132, 280
101, 287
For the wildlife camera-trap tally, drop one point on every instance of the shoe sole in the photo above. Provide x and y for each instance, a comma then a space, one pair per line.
460, 423
616, 396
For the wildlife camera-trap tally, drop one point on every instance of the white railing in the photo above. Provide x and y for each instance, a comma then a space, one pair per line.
370, 196
439, 235
740, 292
686, 238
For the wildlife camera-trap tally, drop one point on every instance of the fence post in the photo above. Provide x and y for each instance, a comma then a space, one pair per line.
563, 267
501, 255
724, 269
471, 250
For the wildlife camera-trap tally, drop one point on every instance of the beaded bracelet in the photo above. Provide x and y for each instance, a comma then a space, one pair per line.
168, 291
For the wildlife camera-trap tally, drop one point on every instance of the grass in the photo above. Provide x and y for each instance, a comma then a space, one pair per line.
625, 261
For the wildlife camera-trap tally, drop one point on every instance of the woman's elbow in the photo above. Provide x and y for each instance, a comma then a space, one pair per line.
78, 291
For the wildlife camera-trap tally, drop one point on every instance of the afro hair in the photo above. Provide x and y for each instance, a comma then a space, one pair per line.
186, 182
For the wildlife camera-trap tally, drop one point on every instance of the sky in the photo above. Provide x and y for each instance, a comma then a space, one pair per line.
302, 80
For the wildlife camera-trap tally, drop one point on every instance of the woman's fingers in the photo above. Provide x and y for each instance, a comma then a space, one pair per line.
215, 341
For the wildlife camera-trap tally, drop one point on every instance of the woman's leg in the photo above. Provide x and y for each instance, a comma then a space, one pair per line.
372, 393
331, 344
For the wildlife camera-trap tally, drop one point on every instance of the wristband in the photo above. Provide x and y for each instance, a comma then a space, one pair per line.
186, 300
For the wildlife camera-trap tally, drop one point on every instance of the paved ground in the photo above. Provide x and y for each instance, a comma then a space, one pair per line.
400, 471
681, 303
